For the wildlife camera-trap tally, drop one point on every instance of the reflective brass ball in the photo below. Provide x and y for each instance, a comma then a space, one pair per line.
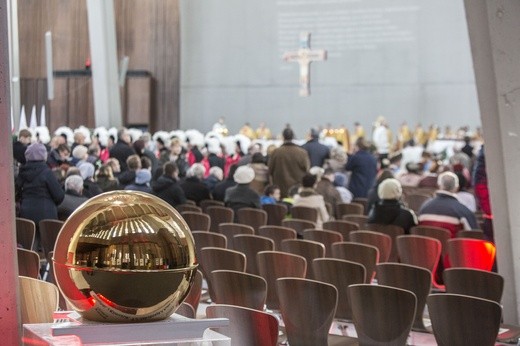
125, 256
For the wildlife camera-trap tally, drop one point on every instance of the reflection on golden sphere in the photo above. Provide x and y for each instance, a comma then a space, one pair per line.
125, 256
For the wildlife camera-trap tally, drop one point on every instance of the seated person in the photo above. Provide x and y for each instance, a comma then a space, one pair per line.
271, 195
241, 195
308, 197
389, 209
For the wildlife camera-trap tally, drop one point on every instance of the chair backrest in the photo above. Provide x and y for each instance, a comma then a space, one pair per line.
181, 208
206, 203
304, 213
238, 288
327, 238
298, 225
420, 251
219, 214
475, 283
341, 274
196, 221
367, 255
471, 253
383, 242
393, 231
382, 315
360, 220
473, 234
28, 263
275, 213
306, 248
275, 264
25, 232
246, 326
442, 234
232, 229
408, 277
341, 226
459, 320
252, 217
349, 209
250, 245
363, 201
212, 258
308, 308
193, 297
277, 234
204, 239
38, 300
415, 201
186, 310
49, 230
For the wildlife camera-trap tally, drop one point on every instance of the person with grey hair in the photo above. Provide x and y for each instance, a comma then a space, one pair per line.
73, 197
216, 174
445, 210
193, 186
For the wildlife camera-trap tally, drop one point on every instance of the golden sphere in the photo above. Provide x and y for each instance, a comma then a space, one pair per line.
125, 256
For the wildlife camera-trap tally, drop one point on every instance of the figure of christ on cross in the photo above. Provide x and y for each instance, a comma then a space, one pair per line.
304, 56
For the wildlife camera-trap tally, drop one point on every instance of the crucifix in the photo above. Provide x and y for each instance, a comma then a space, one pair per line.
304, 56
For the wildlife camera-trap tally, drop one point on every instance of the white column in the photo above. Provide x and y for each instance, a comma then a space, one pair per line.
494, 30
8, 274
103, 51
14, 58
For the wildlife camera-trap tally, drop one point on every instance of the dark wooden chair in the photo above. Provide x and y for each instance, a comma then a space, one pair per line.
193, 297
189, 201
341, 274
471, 253
275, 213
341, 226
250, 245
308, 308
304, 213
206, 203
363, 201
393, 231
208, 239
252, 217
298, 225
218, 215
276, 264
473, 234
213, 258
49, 230
232, 229
415, 201
382, 315
277, 234
238, 288
349, 209
360, 220
28, 263
247, 326
367, 255
420, 251
383, 242
408, 277
181, 208
196, 221
439, 233
25, 233
475, 283
327, 238
186, 310
306, 248
452, 314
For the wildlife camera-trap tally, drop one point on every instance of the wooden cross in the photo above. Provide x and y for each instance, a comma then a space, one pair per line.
304, 56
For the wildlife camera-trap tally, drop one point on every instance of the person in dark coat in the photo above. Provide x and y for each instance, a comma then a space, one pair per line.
389, 210
122, 149
193, 187
142, 151
73, 197
19, 146
363, 168
90, 187
318, 152
37, 187
167, 188
219, 192
241, 195
133, 163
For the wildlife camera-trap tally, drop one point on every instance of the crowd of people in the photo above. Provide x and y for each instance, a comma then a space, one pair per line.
54, 175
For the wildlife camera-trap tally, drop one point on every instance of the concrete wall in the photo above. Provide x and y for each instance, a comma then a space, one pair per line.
404, 59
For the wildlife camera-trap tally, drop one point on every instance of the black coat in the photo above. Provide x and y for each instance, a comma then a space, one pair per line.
70, 203
121, 151
318, 152
39, 190
241, 196
195, 190
169, 190
219, 192
391, 212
